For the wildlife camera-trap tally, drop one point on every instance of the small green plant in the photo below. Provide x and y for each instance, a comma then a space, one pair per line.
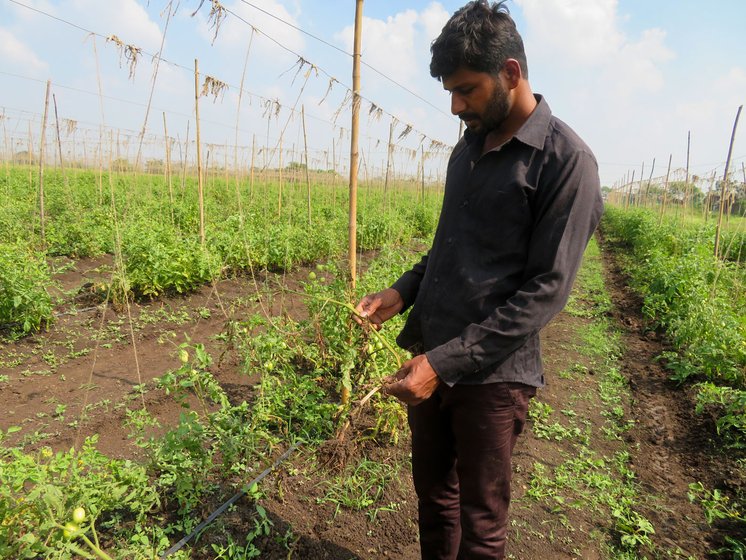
360, 487
25, 304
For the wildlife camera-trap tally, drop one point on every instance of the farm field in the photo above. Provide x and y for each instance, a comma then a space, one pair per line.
153, 385
194, 196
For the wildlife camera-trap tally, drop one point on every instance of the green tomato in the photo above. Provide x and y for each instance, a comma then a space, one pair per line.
183, 356
70, 530
78, 515
320, 266
312, 275
269, 365
379, 345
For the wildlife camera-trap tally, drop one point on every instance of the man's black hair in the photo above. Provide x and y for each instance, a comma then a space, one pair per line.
481, 36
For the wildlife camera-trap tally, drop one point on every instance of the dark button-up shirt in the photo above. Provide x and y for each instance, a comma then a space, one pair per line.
512, 231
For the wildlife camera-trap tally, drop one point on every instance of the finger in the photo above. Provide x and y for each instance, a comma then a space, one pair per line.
369, 305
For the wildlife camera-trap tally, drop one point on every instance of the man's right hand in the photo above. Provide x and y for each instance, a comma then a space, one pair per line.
379, 307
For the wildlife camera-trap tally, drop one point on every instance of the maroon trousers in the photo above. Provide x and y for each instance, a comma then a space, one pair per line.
462, 441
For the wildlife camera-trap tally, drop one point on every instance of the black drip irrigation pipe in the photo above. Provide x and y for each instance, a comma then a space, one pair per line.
179, 545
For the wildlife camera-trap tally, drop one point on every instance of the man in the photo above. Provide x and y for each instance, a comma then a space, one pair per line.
522, 199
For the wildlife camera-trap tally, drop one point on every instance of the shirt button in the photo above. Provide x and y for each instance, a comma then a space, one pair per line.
449, 241
436, 279
464, 204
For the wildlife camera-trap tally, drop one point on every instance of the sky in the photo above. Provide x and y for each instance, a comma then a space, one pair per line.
634, 78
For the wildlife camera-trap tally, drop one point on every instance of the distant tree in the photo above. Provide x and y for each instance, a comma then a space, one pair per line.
25, 158
121, 165
296, 166
155, 166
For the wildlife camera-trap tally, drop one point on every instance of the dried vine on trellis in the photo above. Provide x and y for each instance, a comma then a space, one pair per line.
375, 112
342, 105
299, 64
328, 89
215, 18
129, 53
70, 126
214, 87
405, 132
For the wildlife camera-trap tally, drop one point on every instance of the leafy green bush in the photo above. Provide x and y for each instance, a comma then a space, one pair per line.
25, 305
157, 260
697, 299
39, 493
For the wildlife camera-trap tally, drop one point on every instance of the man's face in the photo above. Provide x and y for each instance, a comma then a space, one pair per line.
477, 98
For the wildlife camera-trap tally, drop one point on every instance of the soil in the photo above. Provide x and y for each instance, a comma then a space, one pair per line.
91, 360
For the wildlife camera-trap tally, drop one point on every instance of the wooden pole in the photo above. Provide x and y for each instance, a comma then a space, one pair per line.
305, 149
629, 192
168, 168
708, 196
59, 137
639, 189
251, 171
422, 176
354, 153
388, 164
334, 174
200, 184
723, 185
665, 189
279, 192
42, 144
650, 180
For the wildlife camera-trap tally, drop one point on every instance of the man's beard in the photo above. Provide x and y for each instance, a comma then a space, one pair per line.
494, 115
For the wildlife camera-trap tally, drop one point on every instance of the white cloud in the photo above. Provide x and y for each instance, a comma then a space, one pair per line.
586, 35
433, 19
19, 55
127, 19
399, 45
582, 30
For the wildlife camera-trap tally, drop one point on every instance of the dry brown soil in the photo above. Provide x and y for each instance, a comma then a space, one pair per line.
77, 378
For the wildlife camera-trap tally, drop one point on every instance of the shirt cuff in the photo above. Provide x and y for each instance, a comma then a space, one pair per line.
407, 286
452, 361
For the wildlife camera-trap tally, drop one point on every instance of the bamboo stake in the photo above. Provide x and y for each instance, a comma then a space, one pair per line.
388, 164
185, 163
707, 203
422, 169
30, 151
639, 189
279, 192
650, 180
251, 172
665, 190
200, 184
723, 186
59, 137
686, 181
9, 155
168, 168
629, 193
238, 118
42, 144
334, 174
305, 148
354, 153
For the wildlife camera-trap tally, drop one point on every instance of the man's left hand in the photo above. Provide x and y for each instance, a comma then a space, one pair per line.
414, 382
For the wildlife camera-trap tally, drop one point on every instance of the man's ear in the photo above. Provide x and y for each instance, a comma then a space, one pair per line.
512, 72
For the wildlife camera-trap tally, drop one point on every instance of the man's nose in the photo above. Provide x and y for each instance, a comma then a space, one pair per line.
457, 104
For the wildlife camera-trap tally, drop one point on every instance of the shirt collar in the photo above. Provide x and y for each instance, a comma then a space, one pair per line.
533, 132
